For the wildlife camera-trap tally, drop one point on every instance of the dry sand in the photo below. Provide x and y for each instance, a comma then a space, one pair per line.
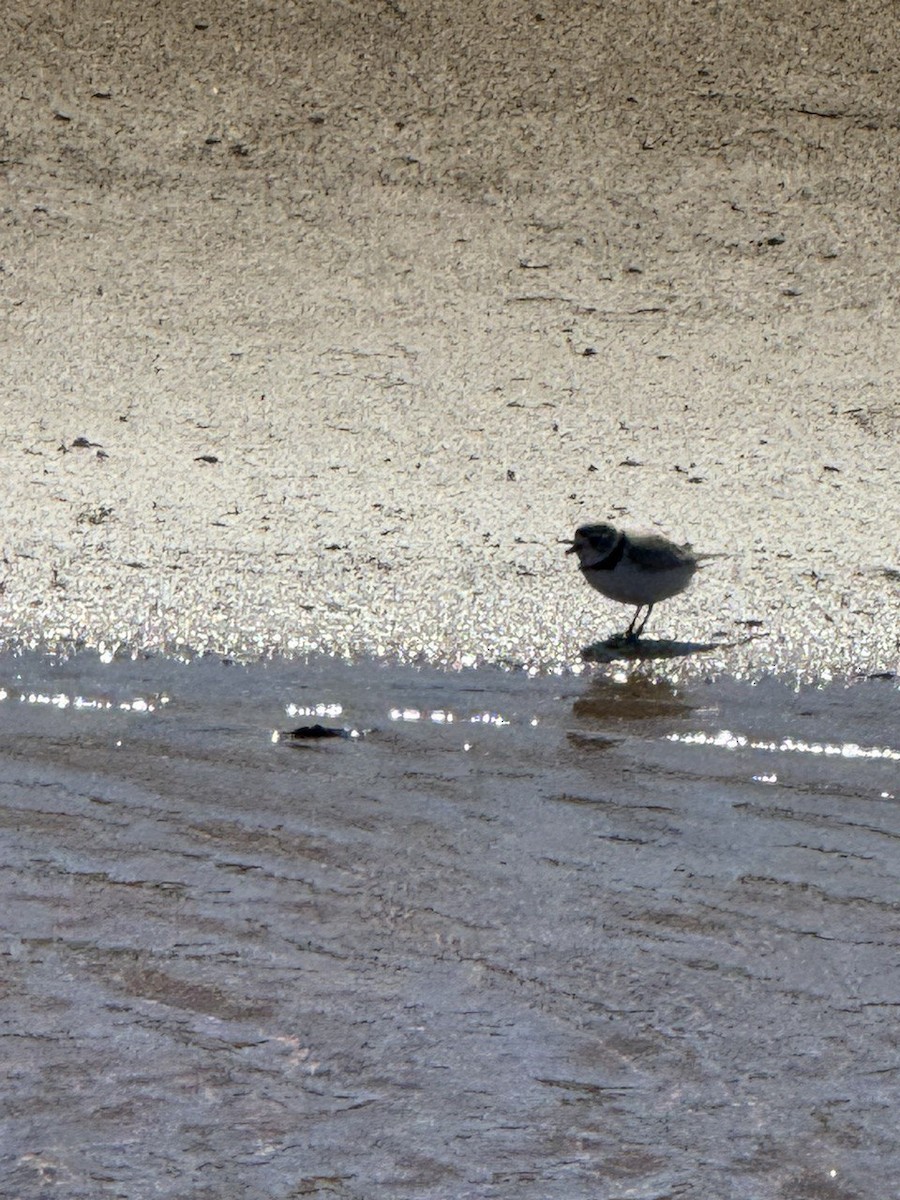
431, 285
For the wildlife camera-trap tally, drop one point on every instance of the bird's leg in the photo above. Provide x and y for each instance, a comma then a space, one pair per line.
630, 635
644, 622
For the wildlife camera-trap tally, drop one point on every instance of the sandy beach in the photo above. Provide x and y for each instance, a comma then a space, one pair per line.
324, 327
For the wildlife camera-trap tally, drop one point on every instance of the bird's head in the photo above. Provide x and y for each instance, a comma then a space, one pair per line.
593, 542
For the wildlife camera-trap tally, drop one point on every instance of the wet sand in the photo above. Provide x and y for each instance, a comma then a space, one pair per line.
527, 937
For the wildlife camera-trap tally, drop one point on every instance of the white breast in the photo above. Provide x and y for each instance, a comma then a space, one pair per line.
631, 584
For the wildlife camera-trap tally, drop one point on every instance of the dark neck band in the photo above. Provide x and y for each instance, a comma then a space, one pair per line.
612, 559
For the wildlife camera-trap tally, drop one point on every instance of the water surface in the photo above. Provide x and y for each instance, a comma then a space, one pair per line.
563, 936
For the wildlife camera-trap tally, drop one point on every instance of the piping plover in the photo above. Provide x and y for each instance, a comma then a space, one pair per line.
638, 569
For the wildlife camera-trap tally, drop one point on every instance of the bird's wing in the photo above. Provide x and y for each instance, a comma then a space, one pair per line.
652, 553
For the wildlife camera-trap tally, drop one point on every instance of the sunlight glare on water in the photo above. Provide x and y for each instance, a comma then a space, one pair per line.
440, 716
63, 700
726, 740
314, 710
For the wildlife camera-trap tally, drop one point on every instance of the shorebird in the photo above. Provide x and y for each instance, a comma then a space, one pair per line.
638, 569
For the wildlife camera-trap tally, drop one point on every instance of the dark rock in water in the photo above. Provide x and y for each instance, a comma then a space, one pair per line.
317, 731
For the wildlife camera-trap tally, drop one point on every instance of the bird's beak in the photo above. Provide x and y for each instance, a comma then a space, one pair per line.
571, 545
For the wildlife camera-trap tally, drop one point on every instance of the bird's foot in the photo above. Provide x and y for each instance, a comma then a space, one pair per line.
627, 638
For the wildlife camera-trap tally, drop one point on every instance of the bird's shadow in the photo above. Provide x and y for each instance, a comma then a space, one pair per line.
619, 646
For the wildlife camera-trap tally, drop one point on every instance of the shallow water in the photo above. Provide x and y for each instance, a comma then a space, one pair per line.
565, 936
